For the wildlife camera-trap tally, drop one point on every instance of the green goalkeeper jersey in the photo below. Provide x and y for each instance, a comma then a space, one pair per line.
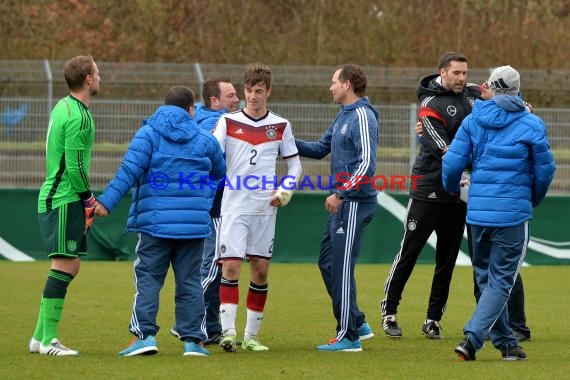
70, 137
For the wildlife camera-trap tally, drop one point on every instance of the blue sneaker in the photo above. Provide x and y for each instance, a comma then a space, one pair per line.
343, 345
365, 332
195, 349
138, 346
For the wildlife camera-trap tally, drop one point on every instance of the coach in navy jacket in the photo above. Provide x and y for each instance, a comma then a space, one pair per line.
512, 168
170, 164
351, 140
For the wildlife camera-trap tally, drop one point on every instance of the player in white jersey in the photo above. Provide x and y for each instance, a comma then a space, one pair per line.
252, 147
252, 140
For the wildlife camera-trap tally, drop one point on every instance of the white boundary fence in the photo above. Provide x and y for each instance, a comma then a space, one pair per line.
23, 124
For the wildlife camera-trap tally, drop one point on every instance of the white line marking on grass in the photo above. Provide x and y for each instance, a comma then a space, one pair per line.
12, 253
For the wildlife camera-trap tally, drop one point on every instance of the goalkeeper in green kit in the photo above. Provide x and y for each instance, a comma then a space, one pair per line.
65, 203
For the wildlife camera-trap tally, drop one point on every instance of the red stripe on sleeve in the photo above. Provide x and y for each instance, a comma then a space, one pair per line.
430, 112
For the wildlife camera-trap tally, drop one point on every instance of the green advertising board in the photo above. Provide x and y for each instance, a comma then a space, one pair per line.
299, 231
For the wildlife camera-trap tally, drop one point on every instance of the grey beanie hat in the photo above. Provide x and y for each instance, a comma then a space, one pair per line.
505, 80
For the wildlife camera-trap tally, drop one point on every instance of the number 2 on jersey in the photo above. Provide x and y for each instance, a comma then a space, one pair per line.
252, 158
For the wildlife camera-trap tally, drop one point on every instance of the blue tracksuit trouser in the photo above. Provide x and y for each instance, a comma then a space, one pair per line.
211, 276
515, 304
153, 258
498, 253
340, 248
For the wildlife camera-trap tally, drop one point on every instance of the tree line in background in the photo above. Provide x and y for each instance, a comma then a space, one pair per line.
524, 33
527, 34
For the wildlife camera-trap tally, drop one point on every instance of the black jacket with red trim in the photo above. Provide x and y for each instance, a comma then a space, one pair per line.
441, 113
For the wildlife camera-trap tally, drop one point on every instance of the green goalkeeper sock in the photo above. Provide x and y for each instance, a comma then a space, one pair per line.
52, 309
39, 331
52, 303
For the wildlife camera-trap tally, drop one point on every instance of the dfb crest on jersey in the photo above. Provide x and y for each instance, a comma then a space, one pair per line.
271, 133
412, 224
343, 129
451, 110
72, 245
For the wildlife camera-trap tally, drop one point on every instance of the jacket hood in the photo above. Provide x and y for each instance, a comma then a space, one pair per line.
499, 111
362, 102
204, 113
173, 123
430, 86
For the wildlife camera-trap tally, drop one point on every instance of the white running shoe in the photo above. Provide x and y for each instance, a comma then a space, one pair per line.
34, 346
56, 348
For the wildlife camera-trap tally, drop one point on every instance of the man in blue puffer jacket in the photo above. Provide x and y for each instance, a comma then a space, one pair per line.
513, 167
220, 97
171, 165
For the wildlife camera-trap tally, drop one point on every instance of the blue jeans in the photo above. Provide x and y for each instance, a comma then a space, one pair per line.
498, 253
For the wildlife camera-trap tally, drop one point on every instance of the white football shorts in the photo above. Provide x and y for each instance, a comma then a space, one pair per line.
244, 236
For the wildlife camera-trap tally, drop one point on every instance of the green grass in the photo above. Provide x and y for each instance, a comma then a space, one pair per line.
298, 316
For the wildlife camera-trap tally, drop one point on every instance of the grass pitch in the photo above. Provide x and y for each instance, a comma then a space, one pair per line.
298, 316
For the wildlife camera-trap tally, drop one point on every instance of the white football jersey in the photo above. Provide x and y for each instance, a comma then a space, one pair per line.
252, 147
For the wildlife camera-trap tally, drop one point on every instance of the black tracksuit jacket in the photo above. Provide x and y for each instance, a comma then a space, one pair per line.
441, 113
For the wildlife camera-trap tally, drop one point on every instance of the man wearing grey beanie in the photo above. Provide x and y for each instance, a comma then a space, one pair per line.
513, 167
516, 302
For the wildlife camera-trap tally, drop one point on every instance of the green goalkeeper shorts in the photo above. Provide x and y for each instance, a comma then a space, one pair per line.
62, 230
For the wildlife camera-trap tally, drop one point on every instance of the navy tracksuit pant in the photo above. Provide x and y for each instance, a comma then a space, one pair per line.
498, 254
340, 248
153, 258
515, 304
211, 277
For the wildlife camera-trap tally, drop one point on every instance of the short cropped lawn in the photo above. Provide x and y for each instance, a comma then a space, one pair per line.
298, 317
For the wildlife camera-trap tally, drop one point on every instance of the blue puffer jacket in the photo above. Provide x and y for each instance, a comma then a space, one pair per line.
207, 119
512, 164
168, 164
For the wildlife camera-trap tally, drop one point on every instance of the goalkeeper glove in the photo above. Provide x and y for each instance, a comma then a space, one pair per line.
284, 196
89, 206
